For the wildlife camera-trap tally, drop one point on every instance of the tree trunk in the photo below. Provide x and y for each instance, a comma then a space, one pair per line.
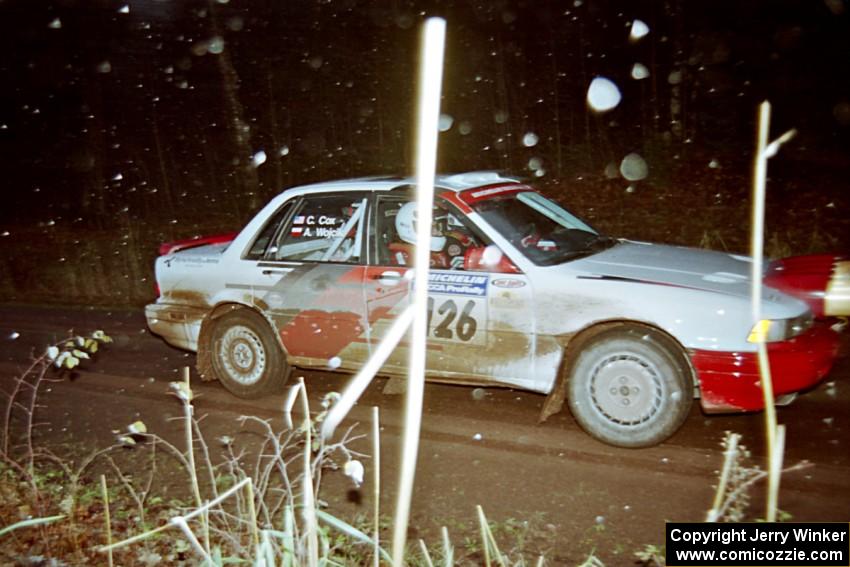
247, 181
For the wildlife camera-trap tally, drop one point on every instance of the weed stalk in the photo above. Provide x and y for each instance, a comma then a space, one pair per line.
764, 151
730, 456
105, 493
448, 550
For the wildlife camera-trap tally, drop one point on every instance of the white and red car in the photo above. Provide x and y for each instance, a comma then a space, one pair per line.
523, 294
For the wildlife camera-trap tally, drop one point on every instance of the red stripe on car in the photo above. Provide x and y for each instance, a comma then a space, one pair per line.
730, 381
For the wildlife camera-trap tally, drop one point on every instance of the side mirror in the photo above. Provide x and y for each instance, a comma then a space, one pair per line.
488, 259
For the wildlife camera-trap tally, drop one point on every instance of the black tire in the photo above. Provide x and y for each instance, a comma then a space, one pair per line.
246, 357
630, 387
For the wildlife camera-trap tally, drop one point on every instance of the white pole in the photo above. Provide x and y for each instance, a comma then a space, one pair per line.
430, 84
376, 489
361, 381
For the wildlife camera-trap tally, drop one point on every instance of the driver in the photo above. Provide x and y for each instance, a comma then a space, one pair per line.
446, 251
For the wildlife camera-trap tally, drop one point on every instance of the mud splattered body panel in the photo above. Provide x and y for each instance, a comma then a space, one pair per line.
324, 264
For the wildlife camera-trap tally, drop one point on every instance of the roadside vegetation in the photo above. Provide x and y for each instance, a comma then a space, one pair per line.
231, 504
255, 506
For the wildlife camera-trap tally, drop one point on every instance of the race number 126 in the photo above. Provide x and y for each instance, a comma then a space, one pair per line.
452, 319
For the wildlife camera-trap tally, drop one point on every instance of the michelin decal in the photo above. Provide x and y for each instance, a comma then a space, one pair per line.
458, 284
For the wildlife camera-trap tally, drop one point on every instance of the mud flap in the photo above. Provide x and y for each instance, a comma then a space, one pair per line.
554, 402
203, 362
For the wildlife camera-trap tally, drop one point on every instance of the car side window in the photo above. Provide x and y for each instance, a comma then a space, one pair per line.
387, 209
324, 228
264, 238
451, 236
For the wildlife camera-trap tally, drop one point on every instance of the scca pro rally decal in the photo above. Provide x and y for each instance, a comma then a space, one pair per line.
458, 284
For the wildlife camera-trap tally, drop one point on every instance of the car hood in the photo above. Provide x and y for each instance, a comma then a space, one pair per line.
671, 265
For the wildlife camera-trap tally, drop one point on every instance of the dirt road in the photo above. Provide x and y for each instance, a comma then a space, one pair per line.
577, 494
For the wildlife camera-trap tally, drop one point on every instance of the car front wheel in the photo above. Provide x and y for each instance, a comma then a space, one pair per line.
630, 387
246, 357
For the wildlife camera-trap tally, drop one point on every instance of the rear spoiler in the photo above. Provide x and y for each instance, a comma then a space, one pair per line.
172, 247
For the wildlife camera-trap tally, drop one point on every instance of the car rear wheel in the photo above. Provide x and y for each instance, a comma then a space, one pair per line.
246, 357
630, 387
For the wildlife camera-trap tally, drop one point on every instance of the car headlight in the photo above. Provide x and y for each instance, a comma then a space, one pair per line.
774, 330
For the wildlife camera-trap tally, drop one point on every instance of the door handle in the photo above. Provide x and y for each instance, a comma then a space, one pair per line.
270, 272
388, 275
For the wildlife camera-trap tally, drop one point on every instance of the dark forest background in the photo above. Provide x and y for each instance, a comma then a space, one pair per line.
127, 123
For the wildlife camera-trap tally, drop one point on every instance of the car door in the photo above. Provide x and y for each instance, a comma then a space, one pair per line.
309, 281
480, 328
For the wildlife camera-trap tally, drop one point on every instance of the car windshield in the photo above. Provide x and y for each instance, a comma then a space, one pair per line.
541, 229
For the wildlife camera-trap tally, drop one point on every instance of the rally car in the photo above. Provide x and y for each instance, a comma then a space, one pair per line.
522, 294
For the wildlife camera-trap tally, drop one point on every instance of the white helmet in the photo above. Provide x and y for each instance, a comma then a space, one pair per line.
405, 226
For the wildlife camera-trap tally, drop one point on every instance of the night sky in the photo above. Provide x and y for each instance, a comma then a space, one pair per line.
185, 114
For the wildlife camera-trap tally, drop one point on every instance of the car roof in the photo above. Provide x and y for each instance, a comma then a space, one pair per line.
453, 182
